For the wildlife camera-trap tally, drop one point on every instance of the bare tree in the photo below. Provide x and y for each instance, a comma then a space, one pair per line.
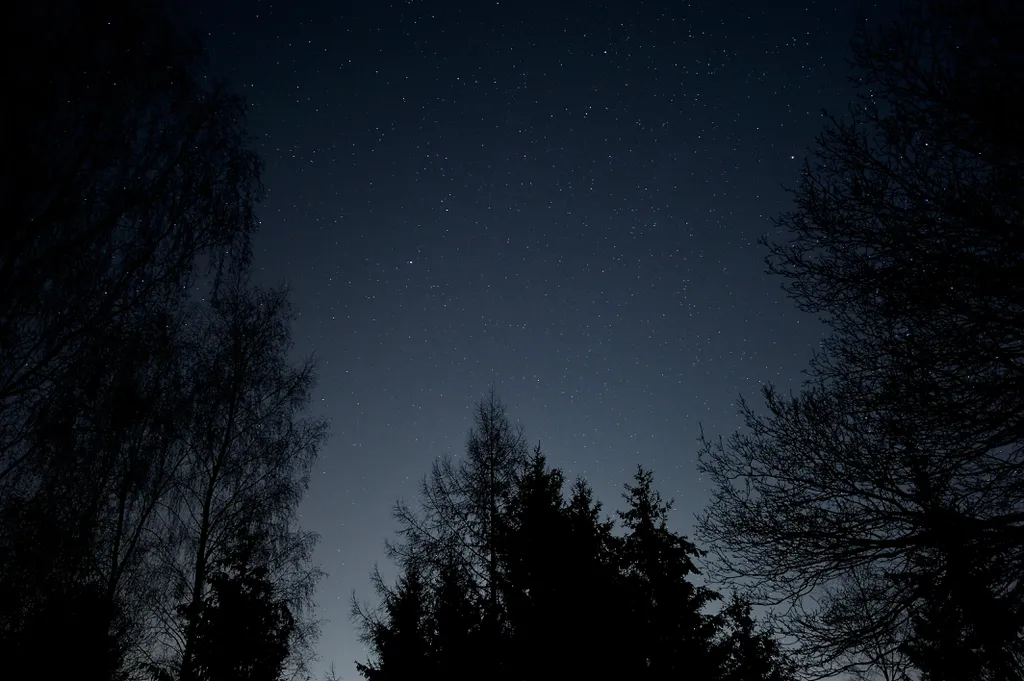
248, 452
123, 171
884, 504
142, 435
117, 176
459, 525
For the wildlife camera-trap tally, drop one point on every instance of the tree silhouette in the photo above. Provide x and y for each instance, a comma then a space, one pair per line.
576, 599
895, 473
536, 577
244, 628
668, 631
398, 637
431, 623
122, 177
596, 598
565, 593
109, 203
463, 506
748, 653
461, 646
247, 457
82, 618
963, 630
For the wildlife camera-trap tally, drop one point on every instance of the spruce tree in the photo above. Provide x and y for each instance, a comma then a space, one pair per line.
747, 652
668, 632
460, 646
398, 637
535, 573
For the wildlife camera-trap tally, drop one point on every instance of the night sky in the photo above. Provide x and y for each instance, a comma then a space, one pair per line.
561, 199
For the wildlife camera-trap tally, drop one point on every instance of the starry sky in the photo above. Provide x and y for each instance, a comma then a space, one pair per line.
559, 198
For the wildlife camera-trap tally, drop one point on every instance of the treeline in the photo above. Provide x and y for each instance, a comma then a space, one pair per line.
506, 574
153, 447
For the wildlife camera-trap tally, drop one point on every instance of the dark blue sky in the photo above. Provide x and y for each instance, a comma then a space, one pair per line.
559, 198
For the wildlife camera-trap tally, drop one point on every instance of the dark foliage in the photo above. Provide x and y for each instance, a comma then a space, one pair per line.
85, 622
669, 632
745, 651
553, 565
401, 635
461, 645
244, 629
574, 599
459, 528
127, 181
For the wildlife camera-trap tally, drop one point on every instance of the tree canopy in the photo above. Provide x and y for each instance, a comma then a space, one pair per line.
882, 503
146, 432
574, 595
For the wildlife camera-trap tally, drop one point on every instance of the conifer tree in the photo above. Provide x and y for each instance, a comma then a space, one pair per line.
536, 575
461, 648
576, 598
244, 626
461, 520
398, 636
668, 631
597, 594
748, 653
